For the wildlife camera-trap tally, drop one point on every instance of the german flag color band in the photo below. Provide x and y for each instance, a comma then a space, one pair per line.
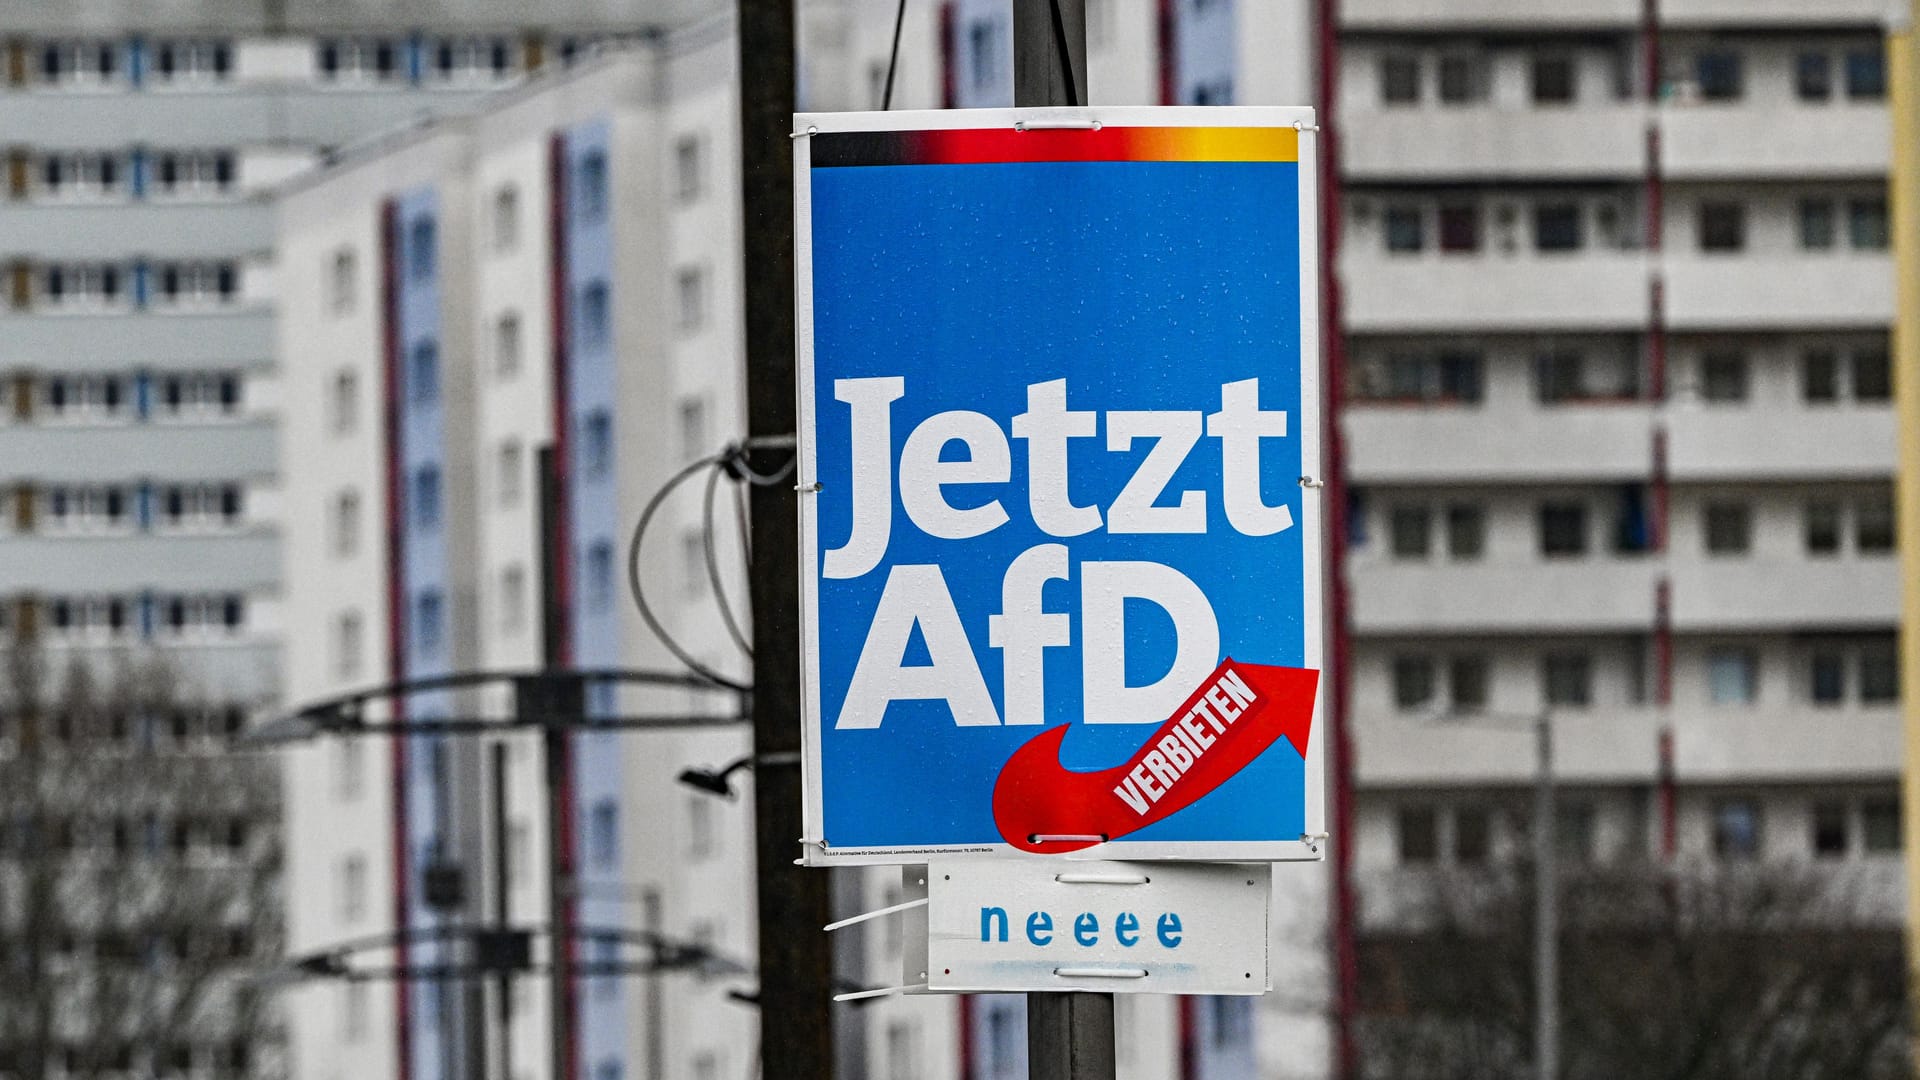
987, 146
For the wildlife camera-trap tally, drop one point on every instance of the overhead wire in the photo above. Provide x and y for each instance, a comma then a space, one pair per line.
893, 58
713, 564
639, 591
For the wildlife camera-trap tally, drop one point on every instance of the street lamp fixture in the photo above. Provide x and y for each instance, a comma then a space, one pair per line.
718, 781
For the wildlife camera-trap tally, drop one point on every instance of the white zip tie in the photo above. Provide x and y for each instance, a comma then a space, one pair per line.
884, 991
832, 926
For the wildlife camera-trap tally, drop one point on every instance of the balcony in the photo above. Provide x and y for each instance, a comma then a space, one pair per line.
1426, 15
1595, 595
181, 230
242, 334
1486, 143
257, 116
1733, 595
133, 561
1795, 743
1752, 140
1766, 292
1865, 14
1808, 443
1592, 291
58, 453
1511, 442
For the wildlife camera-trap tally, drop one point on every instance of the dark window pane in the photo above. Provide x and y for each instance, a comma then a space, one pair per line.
1828, 675
1463, 79
1553, 80
1880, 824
1723, 226
1866, 74
1412, 681
1412, 527
1816, 224
1405, 231
1830, 829
1460, 227
1873, 524
1736, 829
1472, 835
1719, 74
1813, 76
1466, 531
1399, 79
1557, 227
1419, 834
1467, 678
1879, 672
1820, 376
1568, 679
1723, 376
1872, 374
1729, 528
1823, 527
1867, 223
1563, 529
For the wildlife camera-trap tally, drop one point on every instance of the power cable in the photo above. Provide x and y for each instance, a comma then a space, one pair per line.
639, 591
713, 564
893, 58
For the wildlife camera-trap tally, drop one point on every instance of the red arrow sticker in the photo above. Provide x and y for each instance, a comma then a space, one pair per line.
1235, 715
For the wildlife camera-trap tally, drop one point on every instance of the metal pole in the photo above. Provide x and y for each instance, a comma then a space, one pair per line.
1069, 1035
1546, 942
502, 910
557, 704
796, 960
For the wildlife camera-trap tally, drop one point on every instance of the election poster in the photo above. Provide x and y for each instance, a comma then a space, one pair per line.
1059, 458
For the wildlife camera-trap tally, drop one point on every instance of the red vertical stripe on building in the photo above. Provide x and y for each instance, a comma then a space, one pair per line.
965, 1004
949, 41
1346, 965
1167, 30
560, 653
1189, 1039
396, 613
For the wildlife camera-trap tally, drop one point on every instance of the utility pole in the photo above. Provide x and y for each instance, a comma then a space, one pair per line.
559, 703
796, 963
1069, 1035
1546, 899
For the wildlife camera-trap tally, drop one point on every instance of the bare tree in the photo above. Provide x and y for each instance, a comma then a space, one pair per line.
1752, 971
138, 867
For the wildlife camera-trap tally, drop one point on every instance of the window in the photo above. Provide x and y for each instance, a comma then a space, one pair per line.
1872, 374
79, 63
1400, 79
201, 172
983, 52
510, 472
1879, 672
198, 283
506, 345
1880, 824
426, 497
1732, 676
1410, 528
1466, 530
80, 175
1816, 225
1827, 676
513, 599
1866, 74
1472, 835
591, 187
353, 888
1557, 227
691, 292
693, 428
430, 623
1736, 829
1563, 530
1459, 227
1468, 681
1723, 376
1873, 531
1723, 226
1560, 375
340, 294
603, 834
506, 218
1553, 79
1718, 73
1573, 832
1729, 528
423, 373
1412, 682
1813, 76
1568, 679
1829, 829
687, 168
1419, 831
81, 285
600, 576
420, 249
349, 639
1449, 375
182, 61
1405, 231
1819, 376
596, 443
471, 59
1463, 79
1867, 223
596, 325
346, 524
1823, 527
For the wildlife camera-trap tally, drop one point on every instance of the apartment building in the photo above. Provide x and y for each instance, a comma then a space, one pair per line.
1617, 293
593, 215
